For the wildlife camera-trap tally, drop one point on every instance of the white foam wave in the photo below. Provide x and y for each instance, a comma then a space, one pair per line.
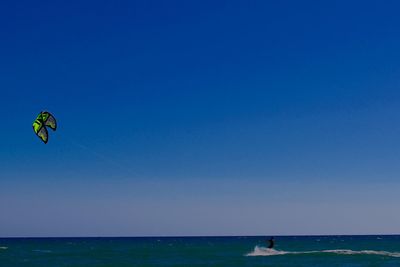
367, 252
261, 251
3, 247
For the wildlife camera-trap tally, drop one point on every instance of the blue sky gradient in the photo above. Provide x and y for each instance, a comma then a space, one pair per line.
207, 118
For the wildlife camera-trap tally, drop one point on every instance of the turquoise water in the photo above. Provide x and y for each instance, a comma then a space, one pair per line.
202, 251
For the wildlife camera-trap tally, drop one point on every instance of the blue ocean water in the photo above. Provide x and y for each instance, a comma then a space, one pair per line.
202, 251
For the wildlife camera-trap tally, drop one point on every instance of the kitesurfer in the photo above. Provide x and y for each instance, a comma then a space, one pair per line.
271, 243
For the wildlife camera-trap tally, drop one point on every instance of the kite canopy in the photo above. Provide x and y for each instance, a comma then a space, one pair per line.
44, 120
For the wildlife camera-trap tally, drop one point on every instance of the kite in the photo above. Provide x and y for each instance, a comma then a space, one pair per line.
44, 120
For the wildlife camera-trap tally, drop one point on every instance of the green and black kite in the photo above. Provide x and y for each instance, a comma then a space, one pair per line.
44, 120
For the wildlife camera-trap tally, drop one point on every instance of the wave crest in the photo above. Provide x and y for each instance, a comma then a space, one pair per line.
262, 251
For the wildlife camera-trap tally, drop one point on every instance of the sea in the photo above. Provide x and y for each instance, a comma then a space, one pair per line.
296, 251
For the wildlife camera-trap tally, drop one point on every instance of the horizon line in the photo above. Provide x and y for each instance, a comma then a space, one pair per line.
190, 236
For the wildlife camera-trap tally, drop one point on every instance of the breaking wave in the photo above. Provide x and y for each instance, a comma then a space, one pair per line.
261, 251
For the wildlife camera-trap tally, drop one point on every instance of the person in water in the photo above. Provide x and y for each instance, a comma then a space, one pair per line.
271, 242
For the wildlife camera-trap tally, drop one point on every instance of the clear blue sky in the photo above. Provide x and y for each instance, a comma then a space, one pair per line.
200, 117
